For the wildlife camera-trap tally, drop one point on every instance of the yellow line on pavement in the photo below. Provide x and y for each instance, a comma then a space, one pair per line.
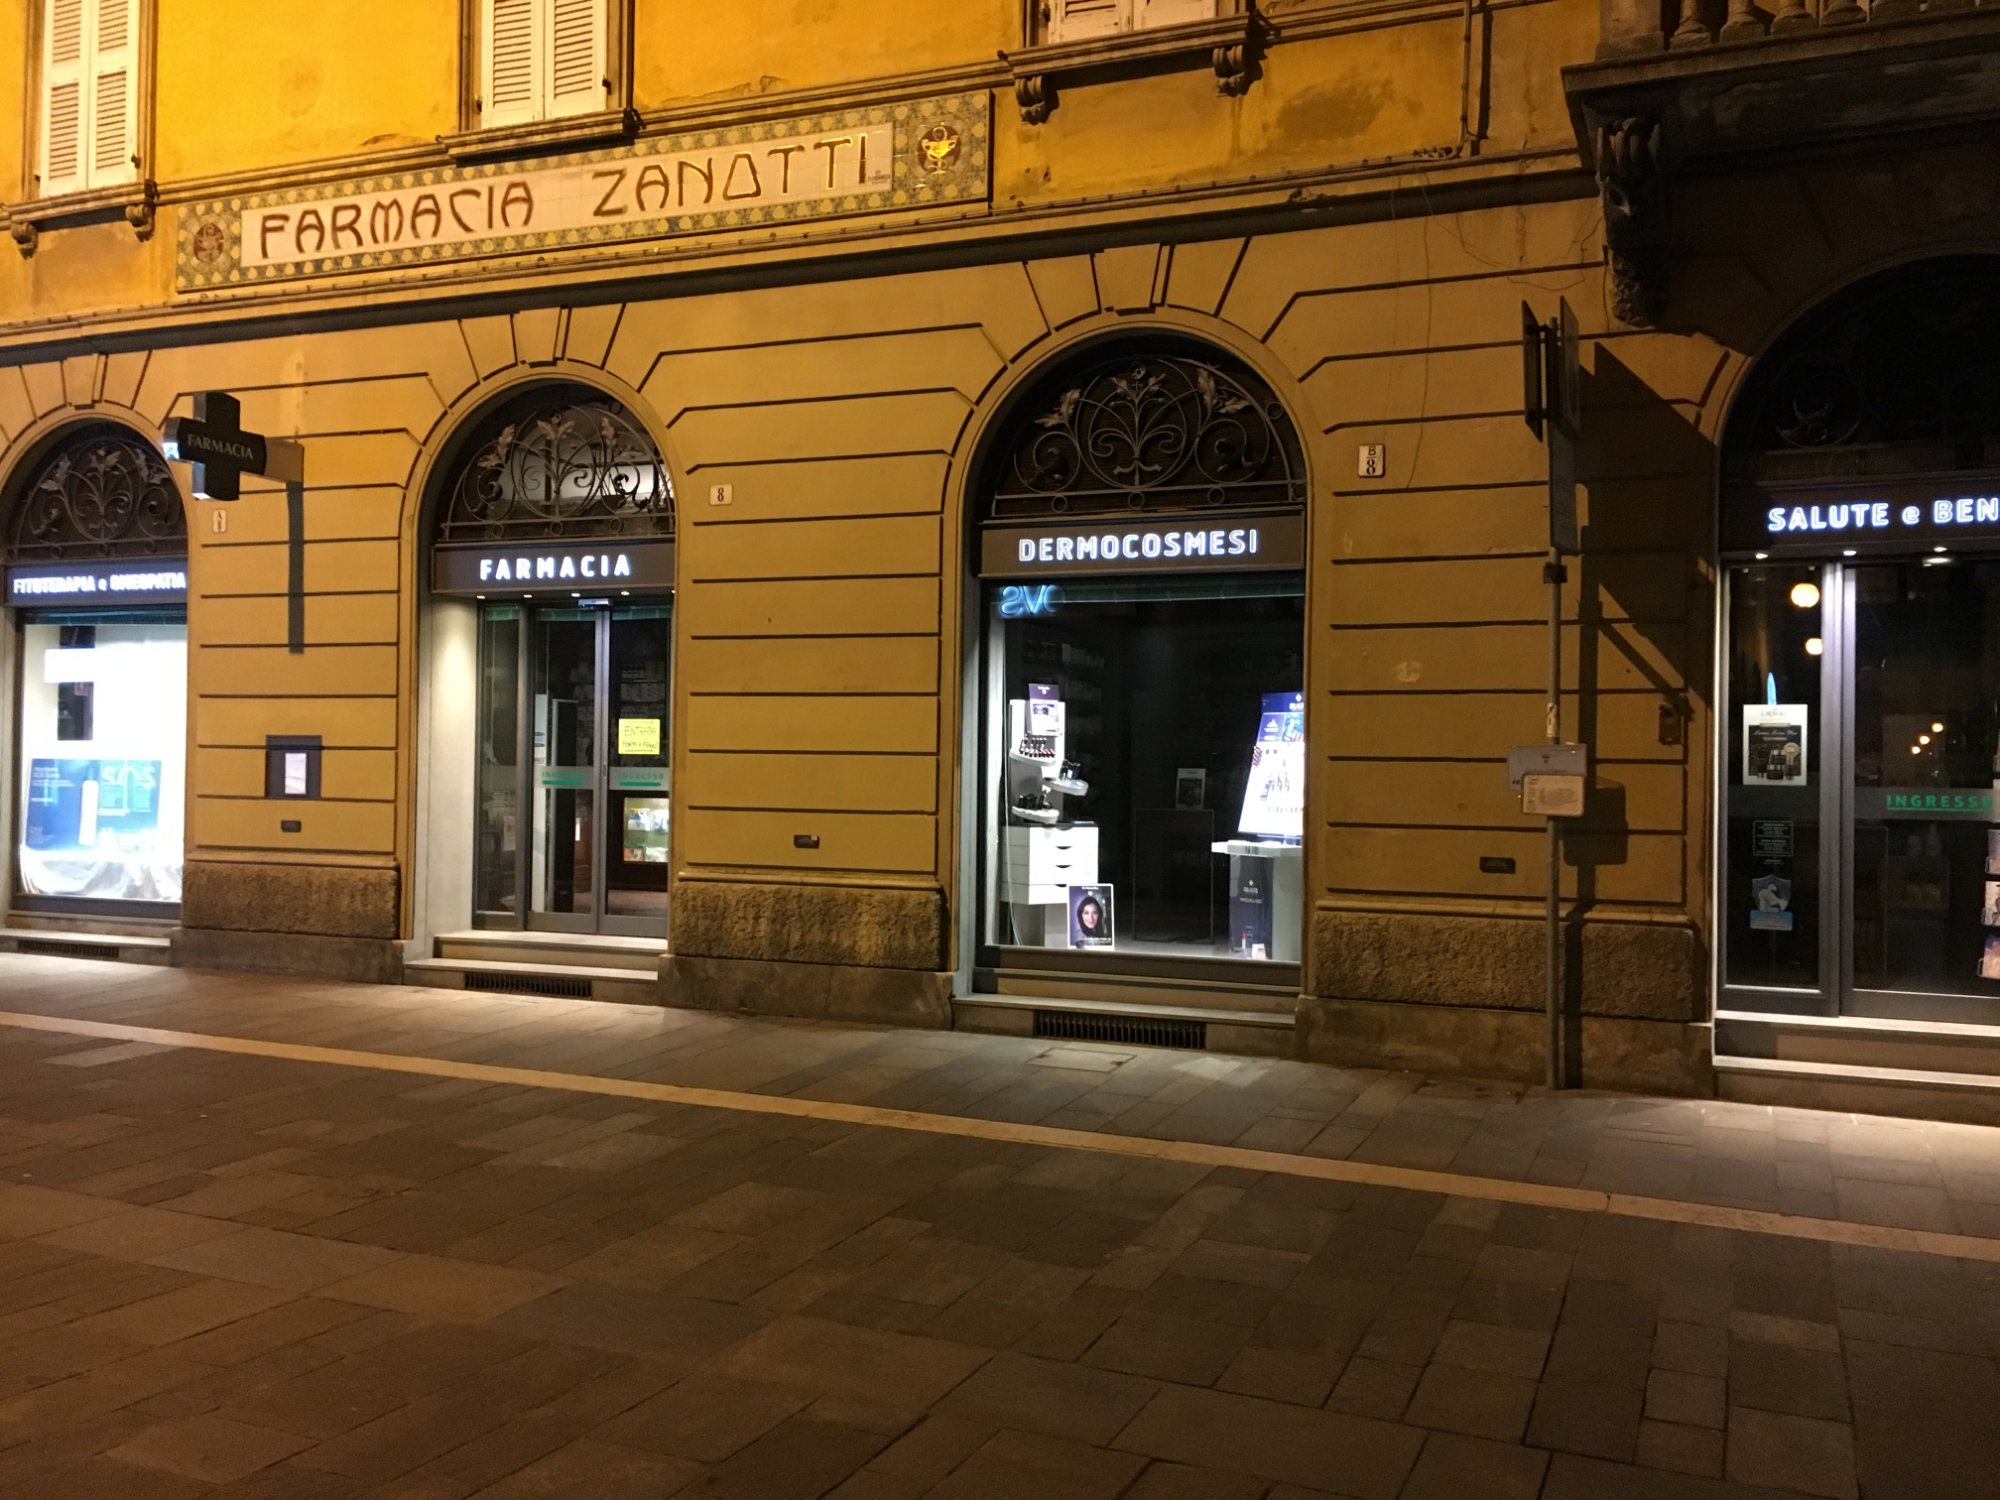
1367, 1174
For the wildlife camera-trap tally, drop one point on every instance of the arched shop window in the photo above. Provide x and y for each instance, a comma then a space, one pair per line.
1860, 534
1141, 556
555, 521
96, 575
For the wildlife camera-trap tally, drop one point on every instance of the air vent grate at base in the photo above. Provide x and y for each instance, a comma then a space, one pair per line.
1130, 1031
553, 985
44, 949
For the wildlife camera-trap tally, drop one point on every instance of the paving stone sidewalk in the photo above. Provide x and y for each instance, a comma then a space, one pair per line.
235, 1275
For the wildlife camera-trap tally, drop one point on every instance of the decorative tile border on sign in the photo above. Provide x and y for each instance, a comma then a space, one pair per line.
878, 159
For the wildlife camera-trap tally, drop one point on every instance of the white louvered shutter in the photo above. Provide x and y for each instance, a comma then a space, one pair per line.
1072, 20
65, 97
576, 60
114, 93
511, 49
1173, 12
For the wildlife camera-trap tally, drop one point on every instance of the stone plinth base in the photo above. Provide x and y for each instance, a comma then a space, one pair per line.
819, 992
362, 960
1618, 1052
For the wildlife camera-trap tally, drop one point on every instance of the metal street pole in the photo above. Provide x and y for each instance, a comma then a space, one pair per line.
1554, 573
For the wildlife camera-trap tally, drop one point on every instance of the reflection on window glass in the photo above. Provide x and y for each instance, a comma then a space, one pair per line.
1926, 763
103, 759
1145, 766
1770, 889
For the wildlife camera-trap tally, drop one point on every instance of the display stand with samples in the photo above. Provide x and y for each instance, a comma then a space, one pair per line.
1266, 859
1044, 852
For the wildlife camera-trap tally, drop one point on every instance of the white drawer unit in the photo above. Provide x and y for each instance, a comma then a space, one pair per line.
1037, 864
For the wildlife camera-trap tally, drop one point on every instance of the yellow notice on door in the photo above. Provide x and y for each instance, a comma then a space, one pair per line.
638, 736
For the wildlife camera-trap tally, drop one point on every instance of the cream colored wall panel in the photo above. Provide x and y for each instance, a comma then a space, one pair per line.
1422, 313
330, 669
1485, 658
332, 515
1420, 793
331, 567
891, 606
366, 723
397, 403
856, 783
535, 332
436, 351
81, 375
1648, 441
885, 842
825, 723
848, 548
1198, 274
345, 775
122, 371
1503, 590
1482, 726
1066, 288
901, 482
1396, 387
1664, 366
490, 342
1527, 241
1636, 869
829, 664
587, 336
957, 359
362, 458
1128, 277
17, 407
330, 620
1444, 523
1439, 453
175, 374
45, 386
1000, 296
326, 827
927, 421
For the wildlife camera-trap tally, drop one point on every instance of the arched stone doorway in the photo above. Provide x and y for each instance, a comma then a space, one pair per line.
1859, 852
1138, 678
551, 569
95, 555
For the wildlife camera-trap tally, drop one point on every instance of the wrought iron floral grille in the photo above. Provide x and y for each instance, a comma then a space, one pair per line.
1153, 432
556, 466
101, 494
1902, 371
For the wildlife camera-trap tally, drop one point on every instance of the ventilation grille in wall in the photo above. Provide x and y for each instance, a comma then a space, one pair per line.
1131, 1031
47, 949
553, 985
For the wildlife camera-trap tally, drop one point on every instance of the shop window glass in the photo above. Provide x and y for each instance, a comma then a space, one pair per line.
103, 759
1145, 765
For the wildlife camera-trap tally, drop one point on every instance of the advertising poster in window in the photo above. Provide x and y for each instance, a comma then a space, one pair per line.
1274, 796
1774, 744
1090, 916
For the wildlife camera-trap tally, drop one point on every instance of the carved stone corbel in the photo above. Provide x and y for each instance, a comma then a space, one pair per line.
1232, 69
1632, 186
26, 232
143, 211
1036, 95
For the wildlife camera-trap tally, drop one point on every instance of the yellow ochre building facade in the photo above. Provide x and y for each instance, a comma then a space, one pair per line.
1016, 515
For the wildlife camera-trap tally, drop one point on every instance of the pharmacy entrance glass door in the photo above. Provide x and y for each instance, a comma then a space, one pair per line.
577, 700
1861, 838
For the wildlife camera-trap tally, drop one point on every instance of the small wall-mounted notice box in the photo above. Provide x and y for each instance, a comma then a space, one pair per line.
1552, 781
291, 766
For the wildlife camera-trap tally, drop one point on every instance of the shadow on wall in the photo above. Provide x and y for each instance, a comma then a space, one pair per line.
1639, 594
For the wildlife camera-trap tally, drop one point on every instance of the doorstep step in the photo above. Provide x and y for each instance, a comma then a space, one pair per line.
116, 947
565, 949
1855, 1088
1911, 1046
1127, 1023
552, 981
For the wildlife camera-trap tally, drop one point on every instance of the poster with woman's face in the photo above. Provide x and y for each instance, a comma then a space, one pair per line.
1090, 916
